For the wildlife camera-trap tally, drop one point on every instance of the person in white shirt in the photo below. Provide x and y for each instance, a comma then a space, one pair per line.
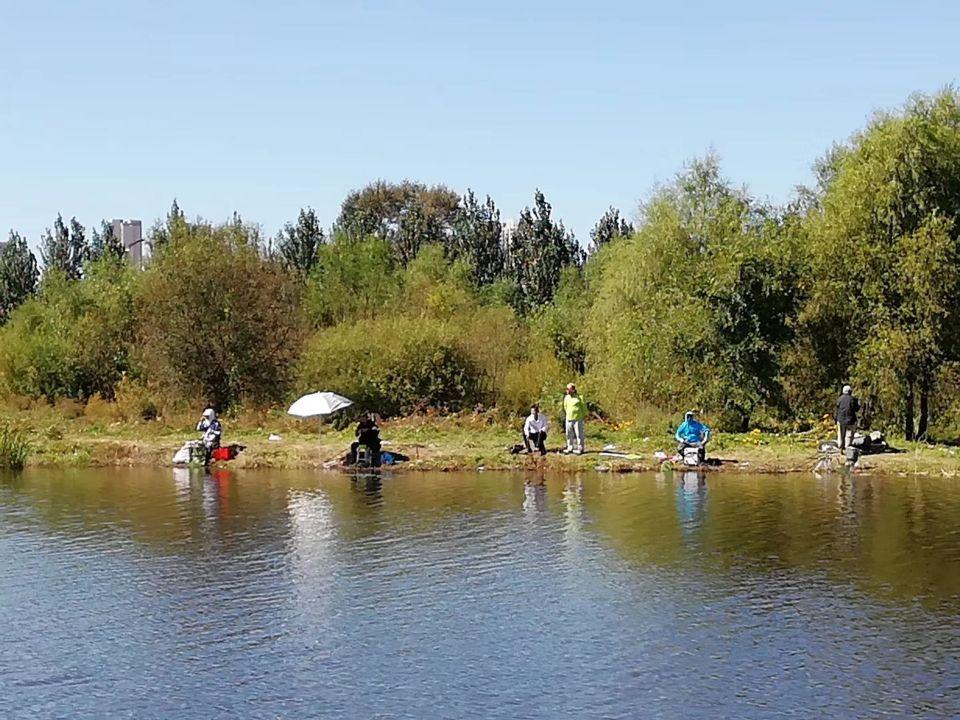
535, 430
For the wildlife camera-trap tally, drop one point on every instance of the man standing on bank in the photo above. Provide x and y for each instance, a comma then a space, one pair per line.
575, 410
846, 416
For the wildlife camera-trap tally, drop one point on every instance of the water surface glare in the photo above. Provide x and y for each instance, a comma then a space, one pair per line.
162, 594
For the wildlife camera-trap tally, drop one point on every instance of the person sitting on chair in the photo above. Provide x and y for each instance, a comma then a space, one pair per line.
368, 435
212, 430
535, 430
693, 433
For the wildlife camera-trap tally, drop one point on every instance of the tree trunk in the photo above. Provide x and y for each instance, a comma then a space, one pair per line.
924, 410
908, 413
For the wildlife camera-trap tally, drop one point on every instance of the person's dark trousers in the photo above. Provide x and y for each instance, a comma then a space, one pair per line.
374, 449
701, 449
539, 442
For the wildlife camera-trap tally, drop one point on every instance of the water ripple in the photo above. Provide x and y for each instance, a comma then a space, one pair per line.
132, 594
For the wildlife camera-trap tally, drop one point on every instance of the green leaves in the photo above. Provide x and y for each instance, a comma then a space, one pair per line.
694, 308
18, 275
299, 245
217, 320
538, 250
65, 250
884, 249
73, 338
608, 228
407, 215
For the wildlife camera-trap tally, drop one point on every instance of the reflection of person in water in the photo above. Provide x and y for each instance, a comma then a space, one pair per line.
534, 497
371, 486
692, 501
573, 515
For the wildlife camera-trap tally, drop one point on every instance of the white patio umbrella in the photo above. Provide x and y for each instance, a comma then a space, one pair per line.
319, 404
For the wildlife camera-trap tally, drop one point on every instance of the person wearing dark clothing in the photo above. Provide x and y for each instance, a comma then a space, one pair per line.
368, 434
846, 416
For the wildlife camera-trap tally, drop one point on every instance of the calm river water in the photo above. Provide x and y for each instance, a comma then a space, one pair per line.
154, 594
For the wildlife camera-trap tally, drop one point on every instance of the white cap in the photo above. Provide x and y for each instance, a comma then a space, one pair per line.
209, 413
847, 390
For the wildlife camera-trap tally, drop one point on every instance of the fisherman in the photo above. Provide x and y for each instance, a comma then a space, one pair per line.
210, 426
846, 416
535, 430
575, 411
368, 434
693, 433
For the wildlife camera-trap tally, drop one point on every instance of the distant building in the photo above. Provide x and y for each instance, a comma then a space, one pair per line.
130, 233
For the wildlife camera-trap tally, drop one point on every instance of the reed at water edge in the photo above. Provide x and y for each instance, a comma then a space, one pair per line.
14, 448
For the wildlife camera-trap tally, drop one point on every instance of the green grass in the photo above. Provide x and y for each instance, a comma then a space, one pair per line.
455, 442
15, 449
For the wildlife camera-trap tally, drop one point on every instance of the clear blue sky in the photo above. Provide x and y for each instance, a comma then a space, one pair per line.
110, 109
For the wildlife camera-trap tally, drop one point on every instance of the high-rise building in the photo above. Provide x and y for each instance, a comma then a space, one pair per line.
130, 233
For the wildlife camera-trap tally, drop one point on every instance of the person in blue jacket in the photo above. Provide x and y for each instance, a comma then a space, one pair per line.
693, 433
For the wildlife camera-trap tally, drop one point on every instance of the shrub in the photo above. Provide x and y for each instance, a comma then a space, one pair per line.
98, 410
217, 320
392, 367
540, 380
72, 339
353, 279
135, 401
68, 408
495, 340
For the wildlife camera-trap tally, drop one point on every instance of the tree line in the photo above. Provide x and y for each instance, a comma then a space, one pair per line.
417, 298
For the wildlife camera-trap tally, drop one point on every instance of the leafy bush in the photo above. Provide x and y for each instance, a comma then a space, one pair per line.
99, 411
73, 338
217, 320
694, 308
135, 401
392, 366
353, 279
495, 340
540, 380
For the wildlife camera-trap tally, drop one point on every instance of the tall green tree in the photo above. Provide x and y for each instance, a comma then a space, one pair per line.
885, 245
478, 237
609, 227
105, 243
18, 274
408, 215
65, 250
562, 321
299, 244
538, 249
161, 232
217, 320
693, 309
353, 280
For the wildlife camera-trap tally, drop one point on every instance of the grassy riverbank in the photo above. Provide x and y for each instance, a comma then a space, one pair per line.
63, 438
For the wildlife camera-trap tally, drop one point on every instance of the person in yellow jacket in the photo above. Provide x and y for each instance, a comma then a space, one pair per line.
575, 410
